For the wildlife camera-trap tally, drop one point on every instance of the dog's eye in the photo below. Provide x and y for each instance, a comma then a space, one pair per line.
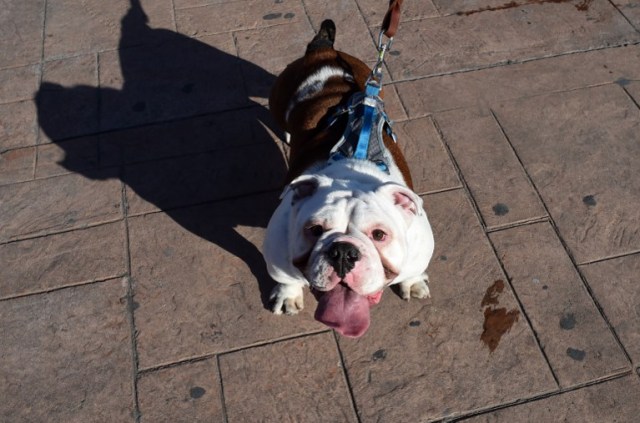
378, 235
314, 230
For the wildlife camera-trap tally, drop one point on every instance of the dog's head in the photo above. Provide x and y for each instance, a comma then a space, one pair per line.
349, 243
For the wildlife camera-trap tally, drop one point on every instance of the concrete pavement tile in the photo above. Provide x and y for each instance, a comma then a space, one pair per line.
352, 34
201, 281
632, 87
454, 43
615, 286
615, 400
237, 16
630, 9
431, 169
18, 125
18, 84
194, 135
452, 7
488, 87
423, 360
271, 49
183, 4
579, 149
66, 356
189, 392
58, 260
374, 11
299, 380
66, 112
77, 70
392, 104
67, 99
16, 165
575, 337
74, 155
21, 32
180, 77
56, 204
492, 171
213, 175
100, 26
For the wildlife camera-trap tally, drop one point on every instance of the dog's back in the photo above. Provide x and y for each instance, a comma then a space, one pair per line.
307, 93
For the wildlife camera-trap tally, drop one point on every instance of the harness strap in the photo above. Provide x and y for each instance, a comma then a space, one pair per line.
371, 93
363, 136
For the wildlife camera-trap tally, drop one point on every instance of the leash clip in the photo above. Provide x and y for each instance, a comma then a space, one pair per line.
383, 47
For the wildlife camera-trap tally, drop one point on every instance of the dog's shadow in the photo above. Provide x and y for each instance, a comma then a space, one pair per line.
177, 152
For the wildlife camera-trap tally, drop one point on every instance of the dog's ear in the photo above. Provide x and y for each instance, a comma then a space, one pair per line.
405, 199
302, 187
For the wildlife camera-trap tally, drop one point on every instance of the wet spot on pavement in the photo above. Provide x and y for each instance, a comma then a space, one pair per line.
381, 354
271, 16
623, 82
500, 209
589, 200
196, 392
577, 355
568, 321
491, 294
497, 322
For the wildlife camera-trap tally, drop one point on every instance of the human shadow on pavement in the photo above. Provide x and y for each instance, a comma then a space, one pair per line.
195, 134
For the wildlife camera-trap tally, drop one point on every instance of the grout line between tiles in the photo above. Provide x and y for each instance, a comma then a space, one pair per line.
223, 403
617, 256
130, 308
630, 96
524, 313
503, 270
566, 248
517, 224
60, 288
512, 62
623, 16
208, 356
345, 374
535, 398
23, 237
459, 174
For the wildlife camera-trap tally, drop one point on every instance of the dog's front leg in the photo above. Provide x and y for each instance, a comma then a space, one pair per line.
416, 287
287, 298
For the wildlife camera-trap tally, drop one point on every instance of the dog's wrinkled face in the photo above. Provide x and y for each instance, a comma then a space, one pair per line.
349, 244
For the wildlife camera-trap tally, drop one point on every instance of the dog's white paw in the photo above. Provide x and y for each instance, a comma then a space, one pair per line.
416, 288
287, 298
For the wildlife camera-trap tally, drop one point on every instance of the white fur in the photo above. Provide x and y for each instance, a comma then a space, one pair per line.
352, 195
314, 84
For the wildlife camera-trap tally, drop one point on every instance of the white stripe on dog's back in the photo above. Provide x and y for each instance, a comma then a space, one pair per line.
314, 84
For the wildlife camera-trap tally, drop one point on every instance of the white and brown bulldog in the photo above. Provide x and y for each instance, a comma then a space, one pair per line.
347, 228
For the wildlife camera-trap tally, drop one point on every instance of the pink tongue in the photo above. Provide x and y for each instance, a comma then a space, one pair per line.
344, 310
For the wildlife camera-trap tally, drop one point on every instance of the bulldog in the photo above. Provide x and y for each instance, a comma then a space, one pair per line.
346, 227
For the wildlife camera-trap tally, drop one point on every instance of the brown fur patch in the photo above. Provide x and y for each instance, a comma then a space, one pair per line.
310, 141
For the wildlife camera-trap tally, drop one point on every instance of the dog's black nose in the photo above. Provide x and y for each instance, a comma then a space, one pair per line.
343, 256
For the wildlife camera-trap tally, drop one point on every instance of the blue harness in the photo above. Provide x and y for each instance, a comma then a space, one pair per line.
363, 136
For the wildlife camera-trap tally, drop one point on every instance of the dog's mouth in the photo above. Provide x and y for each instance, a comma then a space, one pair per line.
345, 310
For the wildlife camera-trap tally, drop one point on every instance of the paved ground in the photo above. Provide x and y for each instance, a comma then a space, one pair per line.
139, 167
